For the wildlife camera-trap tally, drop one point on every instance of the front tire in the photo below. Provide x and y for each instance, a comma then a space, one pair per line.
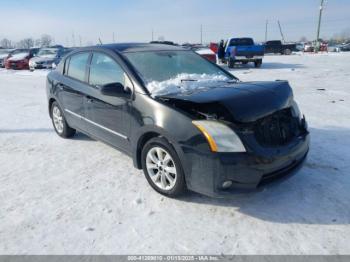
258, 63
59, 122
162, 168
231, 63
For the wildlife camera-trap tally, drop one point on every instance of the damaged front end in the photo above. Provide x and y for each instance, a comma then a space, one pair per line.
254, 131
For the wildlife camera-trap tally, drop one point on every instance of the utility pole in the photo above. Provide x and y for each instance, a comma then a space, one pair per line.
319, 21
152, 35
80, 40
267, 23
201, 34
279, 25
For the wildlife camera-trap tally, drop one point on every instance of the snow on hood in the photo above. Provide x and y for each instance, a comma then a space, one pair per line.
18, 56
42, 59
205, 51
180, 85
3, 56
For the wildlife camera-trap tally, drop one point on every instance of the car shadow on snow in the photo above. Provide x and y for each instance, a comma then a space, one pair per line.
318, 194
77, 136
27, 130
265, 65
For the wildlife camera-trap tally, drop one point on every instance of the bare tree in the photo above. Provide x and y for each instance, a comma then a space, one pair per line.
5, 43
46, 40
26, 43
38, 42
303, 39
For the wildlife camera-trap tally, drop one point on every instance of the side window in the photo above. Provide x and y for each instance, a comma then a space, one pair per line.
104, 70
77, 66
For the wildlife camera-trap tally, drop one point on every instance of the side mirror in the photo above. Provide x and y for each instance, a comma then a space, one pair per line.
116, 90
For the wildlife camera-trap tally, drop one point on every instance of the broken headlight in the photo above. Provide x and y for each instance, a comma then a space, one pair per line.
220, 137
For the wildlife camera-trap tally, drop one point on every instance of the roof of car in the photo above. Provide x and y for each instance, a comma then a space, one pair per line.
139, 47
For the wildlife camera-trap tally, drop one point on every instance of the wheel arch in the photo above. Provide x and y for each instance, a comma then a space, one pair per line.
51, 101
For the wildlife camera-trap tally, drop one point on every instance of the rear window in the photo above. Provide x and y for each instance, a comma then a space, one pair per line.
77, 66
273, 43
241, 41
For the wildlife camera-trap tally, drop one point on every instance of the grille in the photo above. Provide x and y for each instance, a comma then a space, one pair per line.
277, 129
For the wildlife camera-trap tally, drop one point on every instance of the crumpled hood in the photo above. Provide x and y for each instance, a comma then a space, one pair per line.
246, 101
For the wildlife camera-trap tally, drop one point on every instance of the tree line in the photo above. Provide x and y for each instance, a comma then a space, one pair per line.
44, 40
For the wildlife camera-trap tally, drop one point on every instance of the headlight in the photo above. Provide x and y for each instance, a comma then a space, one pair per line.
220, 137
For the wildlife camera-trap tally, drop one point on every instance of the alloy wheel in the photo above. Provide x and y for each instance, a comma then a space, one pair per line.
161, 168
57, 119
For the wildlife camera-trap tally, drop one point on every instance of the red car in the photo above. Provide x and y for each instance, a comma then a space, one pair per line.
19, 58
206, 53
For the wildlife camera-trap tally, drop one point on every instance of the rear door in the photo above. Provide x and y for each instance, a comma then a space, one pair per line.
71, 89
108, 118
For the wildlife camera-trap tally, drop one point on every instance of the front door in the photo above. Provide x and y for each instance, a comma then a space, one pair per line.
107, 116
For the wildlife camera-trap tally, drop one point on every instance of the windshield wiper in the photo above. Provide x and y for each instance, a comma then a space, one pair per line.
189, 80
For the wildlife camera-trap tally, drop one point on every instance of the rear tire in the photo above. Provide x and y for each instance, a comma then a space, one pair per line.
258, 63
59, 122
287, 52
162, 167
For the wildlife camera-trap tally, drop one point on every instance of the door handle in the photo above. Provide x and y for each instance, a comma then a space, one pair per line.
89, 99
60, 86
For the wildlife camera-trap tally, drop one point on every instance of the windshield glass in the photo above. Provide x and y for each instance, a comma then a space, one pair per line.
48, 52
169, 72
19, 55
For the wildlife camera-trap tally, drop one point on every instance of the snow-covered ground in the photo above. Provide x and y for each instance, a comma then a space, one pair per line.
80, 196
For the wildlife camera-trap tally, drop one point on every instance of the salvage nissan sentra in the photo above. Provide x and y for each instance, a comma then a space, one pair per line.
185, 121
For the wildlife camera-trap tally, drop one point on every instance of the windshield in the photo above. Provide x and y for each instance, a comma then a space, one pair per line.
48, 52
165, 65
166, 72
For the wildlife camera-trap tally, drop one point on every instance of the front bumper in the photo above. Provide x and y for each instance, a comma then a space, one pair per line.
248, 171
40, 66
16, 65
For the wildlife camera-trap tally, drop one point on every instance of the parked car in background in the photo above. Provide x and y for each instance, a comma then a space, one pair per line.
4, 53
46, 58
334, 48
214, 47
300, 47
276, 47
205, 52
309, 48
243, 50
19, 58
148, 101
345, 48
163, 42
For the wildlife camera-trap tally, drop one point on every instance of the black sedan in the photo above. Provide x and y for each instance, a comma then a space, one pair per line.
186, 122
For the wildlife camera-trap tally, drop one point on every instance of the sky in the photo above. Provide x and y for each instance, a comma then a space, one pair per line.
73, 21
